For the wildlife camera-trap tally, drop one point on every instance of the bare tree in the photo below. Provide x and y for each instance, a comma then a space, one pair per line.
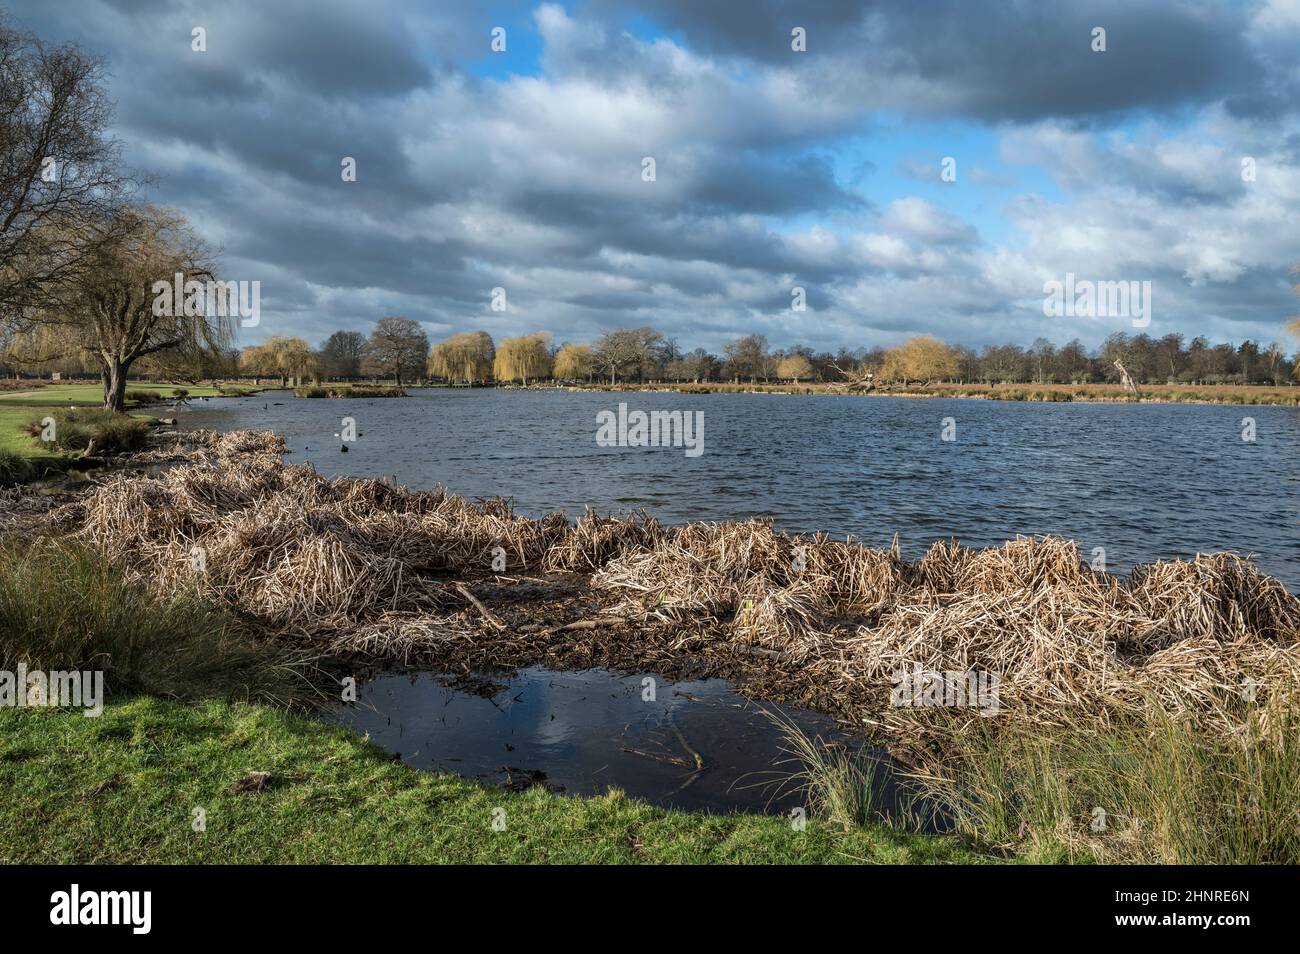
114, 310
341, 354
59, 172
625, 352
745, 357
1125, 378
397, 347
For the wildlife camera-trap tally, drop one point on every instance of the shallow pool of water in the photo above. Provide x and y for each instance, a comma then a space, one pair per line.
694, 745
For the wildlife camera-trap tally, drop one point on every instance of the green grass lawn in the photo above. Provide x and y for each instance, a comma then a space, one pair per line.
17, 408
91, 393
123, 787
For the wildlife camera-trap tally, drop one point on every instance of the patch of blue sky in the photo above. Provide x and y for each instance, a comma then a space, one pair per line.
522, 55
901, 157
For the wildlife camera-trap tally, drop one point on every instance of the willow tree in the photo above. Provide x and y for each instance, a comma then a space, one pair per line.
518, 359
113, 308
922, 358
289, 359
573, 363
467, 357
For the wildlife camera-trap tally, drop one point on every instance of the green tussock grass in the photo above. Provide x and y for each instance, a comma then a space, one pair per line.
75, 429
14, 468
1149, 792
1162, 792
65, 607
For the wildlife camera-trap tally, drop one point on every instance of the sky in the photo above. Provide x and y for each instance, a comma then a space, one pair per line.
774, 168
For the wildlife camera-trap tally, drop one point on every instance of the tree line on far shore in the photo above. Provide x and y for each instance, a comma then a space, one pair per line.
81, 255
398, 349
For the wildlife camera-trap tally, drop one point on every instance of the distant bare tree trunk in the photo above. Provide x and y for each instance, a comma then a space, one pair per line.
855, 380
1129, 386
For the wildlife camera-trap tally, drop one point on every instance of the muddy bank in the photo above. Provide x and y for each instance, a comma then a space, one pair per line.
367, 570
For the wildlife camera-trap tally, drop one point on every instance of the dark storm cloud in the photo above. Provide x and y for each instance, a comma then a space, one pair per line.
336, 51
1020, 62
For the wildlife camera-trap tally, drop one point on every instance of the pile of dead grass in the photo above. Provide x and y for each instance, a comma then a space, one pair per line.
594, 540
1054, 636
753, 583
371, 565
295, 548
1191, 638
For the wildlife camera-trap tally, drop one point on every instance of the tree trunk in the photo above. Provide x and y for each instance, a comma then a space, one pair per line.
114, 375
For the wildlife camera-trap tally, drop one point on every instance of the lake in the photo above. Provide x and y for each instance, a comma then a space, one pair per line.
1144, 482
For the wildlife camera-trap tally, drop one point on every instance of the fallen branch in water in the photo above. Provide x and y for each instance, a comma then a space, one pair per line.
596, 623
492, 619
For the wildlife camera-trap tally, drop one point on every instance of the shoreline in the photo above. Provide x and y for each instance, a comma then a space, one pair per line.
360, 574
1024, 394
366, 570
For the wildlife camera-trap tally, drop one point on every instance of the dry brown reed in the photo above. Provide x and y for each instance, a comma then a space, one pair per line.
367, 567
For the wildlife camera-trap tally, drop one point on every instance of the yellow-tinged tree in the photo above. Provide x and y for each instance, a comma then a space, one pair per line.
794, 367
289, 359
466, 357
522, 358
923, 358
573, 363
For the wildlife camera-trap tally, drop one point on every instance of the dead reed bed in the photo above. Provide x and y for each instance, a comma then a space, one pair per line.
367, 567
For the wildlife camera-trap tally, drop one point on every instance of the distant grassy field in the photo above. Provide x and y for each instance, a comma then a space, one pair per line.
1164, 393
17, 408
1049, 393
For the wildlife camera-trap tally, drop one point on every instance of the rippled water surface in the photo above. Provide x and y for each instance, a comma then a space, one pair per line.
1144, 481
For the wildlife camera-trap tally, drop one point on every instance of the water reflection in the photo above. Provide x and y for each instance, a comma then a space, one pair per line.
692, 744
